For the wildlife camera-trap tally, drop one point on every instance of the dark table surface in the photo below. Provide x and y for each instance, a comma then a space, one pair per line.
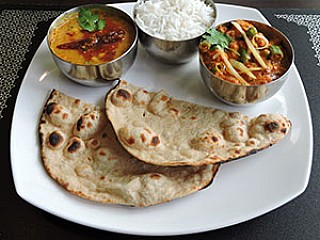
310, 4
298, 219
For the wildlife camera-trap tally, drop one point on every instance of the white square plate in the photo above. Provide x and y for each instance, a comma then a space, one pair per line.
242, 190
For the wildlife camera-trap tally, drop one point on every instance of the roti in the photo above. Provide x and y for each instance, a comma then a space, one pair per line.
162, 130
80, 152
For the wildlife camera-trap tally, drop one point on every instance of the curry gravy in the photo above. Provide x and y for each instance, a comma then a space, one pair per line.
73, 44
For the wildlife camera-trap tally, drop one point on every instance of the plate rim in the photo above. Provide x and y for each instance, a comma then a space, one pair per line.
26, 197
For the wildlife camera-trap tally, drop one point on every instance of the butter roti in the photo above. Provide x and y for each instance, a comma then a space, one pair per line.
162, 130
80, 151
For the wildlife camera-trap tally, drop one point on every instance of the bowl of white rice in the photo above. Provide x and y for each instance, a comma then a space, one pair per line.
170, 30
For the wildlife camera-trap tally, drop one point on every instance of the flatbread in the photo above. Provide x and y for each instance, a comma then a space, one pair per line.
162, 130
80, 151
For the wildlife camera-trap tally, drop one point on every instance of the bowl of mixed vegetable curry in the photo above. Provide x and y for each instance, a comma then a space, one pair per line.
244, 62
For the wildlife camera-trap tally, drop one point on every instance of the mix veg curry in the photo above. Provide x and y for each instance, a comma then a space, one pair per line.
70, 42
239, 53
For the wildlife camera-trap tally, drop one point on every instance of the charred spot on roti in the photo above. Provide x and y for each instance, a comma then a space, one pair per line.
56, 139
215, 158
77, 101
235, 134
164, 98
214, 139
237, 115
275, 126
93, 143
102, 154
252, 151
147, 130
252, 142
271, 126
155, 176
121, 98
130, 141
155, 141
41, 138
235, 152
88, 125
63, 183
139, 137
207, 141
50, 108
57, 114
124, 94
143, 137
75, 148
79, 124
175, 112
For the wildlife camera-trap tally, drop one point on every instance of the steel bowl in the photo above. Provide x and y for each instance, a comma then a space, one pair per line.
170, 51
240, 95
99, 74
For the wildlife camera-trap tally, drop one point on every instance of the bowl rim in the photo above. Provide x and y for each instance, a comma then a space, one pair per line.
212, 4
93, 5
278, 32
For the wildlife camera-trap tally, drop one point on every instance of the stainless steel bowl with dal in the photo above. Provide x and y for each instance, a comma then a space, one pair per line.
101, 74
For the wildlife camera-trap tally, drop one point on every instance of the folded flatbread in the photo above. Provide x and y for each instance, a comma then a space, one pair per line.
162, 130
80, 151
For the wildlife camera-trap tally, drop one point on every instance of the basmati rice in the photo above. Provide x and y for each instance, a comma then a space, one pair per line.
174, 19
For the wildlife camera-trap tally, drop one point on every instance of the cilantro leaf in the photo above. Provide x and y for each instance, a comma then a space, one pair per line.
217, 38
101, 23
90, 21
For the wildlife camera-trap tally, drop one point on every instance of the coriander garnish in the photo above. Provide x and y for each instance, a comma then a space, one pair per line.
217, 38
90, 21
